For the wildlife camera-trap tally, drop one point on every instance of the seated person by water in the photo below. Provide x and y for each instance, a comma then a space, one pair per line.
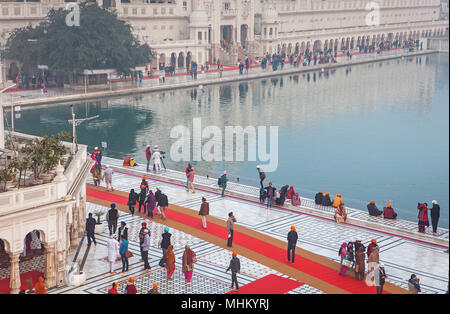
129, 162
337, 201
319, 198
326, 200
373, 209
296, 199
389, 212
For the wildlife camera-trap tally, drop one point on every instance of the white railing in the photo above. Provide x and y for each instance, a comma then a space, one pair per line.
29, 197
75, 164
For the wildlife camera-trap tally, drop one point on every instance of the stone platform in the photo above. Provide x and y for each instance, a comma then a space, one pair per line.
402, 254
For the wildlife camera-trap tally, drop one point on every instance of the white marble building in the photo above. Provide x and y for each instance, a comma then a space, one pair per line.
183, 30
56, 210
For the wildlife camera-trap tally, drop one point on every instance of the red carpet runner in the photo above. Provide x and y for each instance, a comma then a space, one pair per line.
307, 266
34, 275
271, 284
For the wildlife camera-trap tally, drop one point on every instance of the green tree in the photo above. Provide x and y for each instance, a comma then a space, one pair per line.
102, 41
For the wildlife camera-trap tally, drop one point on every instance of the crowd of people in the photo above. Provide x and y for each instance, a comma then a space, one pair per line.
352, 254
387, 213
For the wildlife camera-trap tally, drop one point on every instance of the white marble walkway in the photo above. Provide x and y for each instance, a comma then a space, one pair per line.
401, 255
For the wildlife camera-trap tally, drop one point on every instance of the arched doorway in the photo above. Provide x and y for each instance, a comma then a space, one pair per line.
181, 60
22, 271
244, 36
226, 32
188, 59
173, 59
317, 46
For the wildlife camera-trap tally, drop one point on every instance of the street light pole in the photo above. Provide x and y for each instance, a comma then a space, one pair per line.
74, 130
75, 123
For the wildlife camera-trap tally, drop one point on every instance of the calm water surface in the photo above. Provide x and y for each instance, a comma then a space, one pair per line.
376, 131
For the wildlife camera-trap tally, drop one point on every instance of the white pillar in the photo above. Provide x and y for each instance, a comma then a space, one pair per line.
50, 269
14, 277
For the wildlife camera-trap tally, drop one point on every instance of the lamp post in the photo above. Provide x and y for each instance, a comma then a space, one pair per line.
75, 123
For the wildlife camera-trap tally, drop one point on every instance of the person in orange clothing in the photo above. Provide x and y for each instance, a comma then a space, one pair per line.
39, 287
337, 201
126, 162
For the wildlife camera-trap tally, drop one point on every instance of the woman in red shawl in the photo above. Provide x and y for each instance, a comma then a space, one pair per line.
340, 215
130, 288
170, 261
188, 263
423, 216
290, 193
113, 289
360, 264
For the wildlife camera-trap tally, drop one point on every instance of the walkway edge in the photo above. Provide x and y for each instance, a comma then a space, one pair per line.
223, 80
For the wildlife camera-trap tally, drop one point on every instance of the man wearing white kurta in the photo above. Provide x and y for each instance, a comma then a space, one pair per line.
157, 159
113, 252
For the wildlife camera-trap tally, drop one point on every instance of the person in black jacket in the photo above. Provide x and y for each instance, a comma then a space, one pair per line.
262, 176
157, 197
141, 199
122, 231
132, 198
270, 194
235, 266
111, 217
292, 238
435, 213
90, 229
163, 203
373, 209
326, 200
319, 198
165, 241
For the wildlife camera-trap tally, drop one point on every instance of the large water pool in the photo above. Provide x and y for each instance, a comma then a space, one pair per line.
374, 131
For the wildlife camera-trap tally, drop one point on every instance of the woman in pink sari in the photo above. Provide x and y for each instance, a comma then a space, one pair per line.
343, 254
188, 263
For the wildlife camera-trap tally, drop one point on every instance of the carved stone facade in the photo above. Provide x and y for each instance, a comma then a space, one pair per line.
204, 30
